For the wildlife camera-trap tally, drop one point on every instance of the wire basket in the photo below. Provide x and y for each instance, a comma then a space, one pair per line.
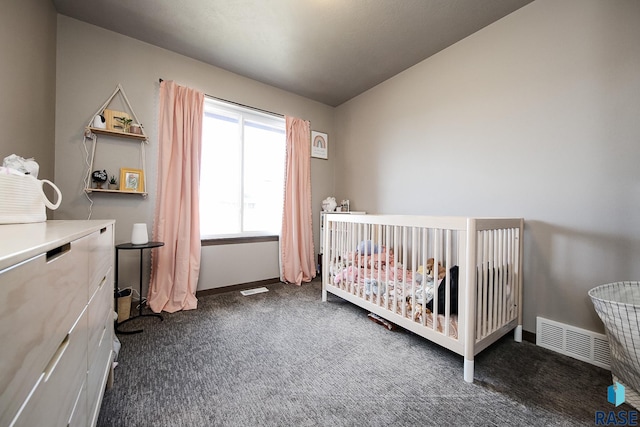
618, 306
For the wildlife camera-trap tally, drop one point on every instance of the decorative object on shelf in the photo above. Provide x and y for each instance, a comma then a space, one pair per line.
329, 204
99, 177
114, 119
319, 145
99, 122
126, 123
135, 128
113, 184
139, 234
345, 206
131, 180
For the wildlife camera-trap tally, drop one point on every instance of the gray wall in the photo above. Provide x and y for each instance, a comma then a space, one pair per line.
28, 81
91, 61
535, 116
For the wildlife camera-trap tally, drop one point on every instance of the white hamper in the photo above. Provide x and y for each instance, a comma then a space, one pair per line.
618, 305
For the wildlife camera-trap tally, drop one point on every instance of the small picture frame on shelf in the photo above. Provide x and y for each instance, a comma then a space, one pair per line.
131, 180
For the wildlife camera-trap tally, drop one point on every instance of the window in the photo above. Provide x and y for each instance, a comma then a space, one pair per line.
241, 172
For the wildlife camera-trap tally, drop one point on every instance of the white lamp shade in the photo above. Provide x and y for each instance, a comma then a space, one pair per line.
139, 235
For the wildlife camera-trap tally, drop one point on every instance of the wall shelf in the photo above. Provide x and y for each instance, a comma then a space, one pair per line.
92, 133
118, 134
104, 190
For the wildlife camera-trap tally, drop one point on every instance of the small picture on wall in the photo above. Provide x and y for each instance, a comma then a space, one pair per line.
319, 145
131, 180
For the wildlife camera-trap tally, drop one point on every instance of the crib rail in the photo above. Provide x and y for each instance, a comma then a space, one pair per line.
454, 280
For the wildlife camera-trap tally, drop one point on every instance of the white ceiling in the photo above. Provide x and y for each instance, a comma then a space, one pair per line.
326, 50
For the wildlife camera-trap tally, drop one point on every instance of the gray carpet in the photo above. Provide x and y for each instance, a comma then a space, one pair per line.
285, 358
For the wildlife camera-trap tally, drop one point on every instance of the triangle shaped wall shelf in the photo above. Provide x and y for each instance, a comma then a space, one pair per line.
92, 132
101, 110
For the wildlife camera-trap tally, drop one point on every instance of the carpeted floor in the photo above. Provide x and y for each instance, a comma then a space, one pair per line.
285, 358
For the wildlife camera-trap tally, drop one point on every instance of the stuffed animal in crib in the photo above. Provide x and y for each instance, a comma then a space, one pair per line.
349, 274
371, 285
367, 246
430, 263
336, 267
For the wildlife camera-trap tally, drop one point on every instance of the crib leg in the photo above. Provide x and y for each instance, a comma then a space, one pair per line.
468, 370
324, 294
517, 335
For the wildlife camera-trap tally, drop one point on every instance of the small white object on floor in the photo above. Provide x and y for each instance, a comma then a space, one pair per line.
254, 291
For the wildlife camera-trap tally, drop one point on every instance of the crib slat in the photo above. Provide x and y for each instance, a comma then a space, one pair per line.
492, 280
378, 265
501, 276
423, 263
401, 280
395, 263
447, 266
414, 300
479, 293
434, 301
485, 279
512, 275
499, 286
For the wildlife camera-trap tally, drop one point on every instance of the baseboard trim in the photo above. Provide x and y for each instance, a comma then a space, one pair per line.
237, 288
529, 336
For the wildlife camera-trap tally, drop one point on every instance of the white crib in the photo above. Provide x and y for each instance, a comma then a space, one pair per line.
386, 264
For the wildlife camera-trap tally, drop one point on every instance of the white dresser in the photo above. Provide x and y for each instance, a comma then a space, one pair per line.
56, 321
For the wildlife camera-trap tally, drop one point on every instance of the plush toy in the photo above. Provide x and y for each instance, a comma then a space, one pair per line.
441, 270
329, 204
371, 285
369, 246
349, 274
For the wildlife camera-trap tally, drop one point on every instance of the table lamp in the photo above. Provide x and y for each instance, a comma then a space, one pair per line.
139, 235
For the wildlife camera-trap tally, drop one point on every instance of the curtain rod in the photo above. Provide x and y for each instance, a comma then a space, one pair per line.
239, 104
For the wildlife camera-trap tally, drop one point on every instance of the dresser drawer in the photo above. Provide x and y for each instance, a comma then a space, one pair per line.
100, 308
41, 300
100, 256
53, 399
99, 369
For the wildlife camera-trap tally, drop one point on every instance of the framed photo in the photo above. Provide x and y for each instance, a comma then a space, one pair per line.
319, 145
131, 180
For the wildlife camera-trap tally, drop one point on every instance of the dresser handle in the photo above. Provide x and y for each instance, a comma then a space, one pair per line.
104, 332
55, 253
56, 358
102, 230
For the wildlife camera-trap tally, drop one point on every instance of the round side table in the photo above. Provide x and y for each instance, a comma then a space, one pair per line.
141, 248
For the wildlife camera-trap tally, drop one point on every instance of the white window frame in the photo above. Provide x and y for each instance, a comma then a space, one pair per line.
243, 114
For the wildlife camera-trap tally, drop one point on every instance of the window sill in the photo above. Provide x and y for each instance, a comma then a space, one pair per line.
237, 240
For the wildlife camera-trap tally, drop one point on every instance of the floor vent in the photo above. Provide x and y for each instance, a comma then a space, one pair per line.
254, 291
575, 342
